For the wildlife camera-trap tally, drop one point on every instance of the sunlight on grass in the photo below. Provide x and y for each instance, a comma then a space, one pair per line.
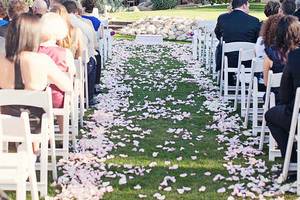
207, 13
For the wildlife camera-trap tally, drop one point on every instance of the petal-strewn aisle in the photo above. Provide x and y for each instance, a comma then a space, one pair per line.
160, 132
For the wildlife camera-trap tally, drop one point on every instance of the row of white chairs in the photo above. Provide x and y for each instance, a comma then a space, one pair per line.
248, 94
204, 43
23, 163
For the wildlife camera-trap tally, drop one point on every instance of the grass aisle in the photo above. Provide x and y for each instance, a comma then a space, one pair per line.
166, 103
160, 131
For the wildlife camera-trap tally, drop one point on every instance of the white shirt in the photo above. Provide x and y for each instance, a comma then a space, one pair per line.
87, 31
260, 48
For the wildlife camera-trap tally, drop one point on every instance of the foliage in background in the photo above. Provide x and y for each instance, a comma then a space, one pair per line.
164, 4
111, 5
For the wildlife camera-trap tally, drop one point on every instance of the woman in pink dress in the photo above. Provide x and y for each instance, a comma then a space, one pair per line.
54, 28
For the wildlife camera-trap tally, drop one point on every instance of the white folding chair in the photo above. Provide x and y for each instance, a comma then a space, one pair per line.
16, 168
225, 69
65, 112
292, 137
81, 87
274, 80
40, 99
243, 78
85, 60
195, 44
254, 96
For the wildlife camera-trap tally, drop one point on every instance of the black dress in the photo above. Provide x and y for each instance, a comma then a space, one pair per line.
35, 113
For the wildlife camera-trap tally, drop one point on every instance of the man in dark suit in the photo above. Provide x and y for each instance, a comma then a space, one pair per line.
236, 26
297, 13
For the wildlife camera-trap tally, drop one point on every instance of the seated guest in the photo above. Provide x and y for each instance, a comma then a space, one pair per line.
90, 34
15, 8
279, 117
227, 28
39, 7
73, 41
3, 22
287, 7
3, 15
297, 13
278, 47
88, 6
271, 9
24, 68
53, 29
273, 41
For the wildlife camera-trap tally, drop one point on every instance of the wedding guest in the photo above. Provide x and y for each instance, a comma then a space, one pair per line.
53, 29
287, 7
74, 39
15, 8
39, 7
279, 117
297, 13
88, 6
24, 68
226, 28
90, 34
279, 40
271, 8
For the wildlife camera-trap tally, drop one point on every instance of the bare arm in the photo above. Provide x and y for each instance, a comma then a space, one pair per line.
56, 76
267, 66
70, 63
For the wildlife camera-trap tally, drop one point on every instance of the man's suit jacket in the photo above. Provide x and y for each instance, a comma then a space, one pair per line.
297, 14
236, 26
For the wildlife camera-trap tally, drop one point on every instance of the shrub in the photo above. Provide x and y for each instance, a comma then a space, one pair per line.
112, 5
164, 4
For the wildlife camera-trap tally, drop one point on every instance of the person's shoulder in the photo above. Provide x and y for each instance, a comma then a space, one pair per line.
295, 54
223, 16
252, 18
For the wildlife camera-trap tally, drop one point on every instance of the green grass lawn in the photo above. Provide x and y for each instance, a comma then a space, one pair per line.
209, 13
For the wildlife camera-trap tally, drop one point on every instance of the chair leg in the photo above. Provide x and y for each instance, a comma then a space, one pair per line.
66, 135
255, 116
271, 148
298, 157
33, 183
53, 155
21, 190
262, 135
44, 167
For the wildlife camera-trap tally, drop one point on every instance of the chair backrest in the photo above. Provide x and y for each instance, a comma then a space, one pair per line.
40, 99
246, 55
274, 80
237, 46
257, 65
15, 129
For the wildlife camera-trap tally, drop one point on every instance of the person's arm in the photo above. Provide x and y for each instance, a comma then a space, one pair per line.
267, 66
70, 63
56, 76
79, 43
218, 30
286, 86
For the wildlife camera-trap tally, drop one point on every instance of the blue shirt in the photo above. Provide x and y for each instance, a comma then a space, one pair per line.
95, 21
3, 22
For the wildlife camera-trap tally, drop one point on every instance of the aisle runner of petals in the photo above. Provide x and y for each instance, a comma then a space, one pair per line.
84, 172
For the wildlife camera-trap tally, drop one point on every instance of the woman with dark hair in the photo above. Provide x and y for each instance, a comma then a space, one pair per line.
88, 6
23, 68
271, 8
279, 43
279, 117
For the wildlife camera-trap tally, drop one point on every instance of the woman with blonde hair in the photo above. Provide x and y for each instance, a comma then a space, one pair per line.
53, 29
73, 40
